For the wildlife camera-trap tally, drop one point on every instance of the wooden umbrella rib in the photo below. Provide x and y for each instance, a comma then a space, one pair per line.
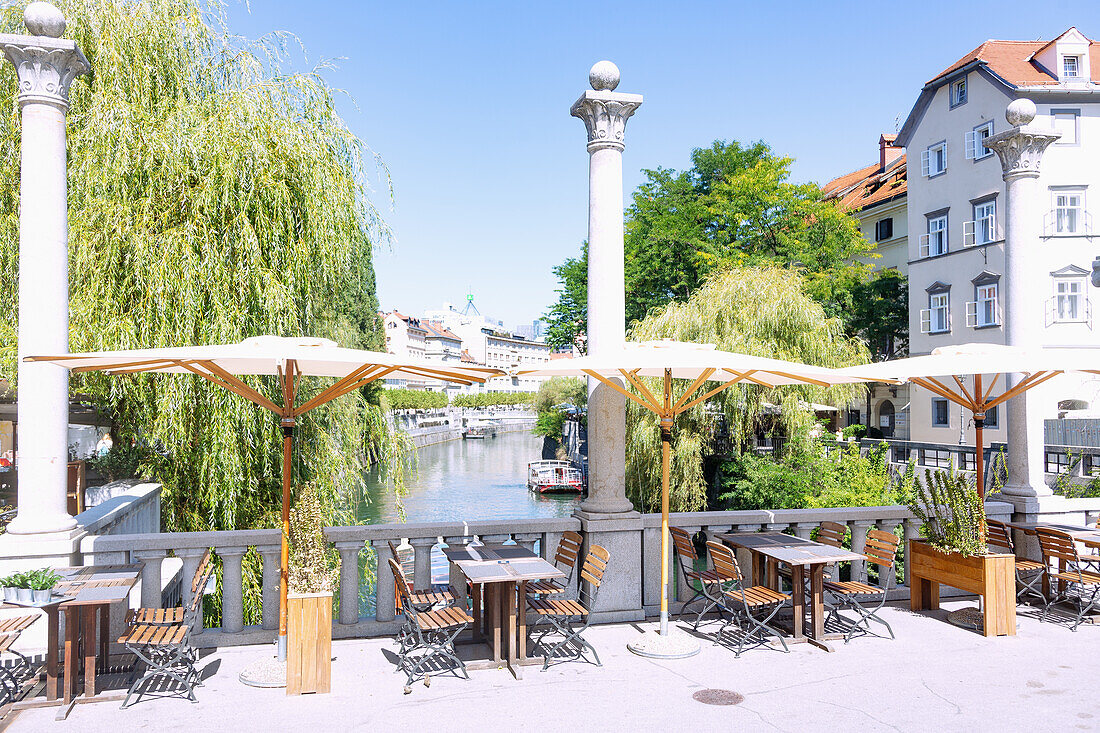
1032, 380
449, 376
951, 395
711, 393
218, 382
334, 390
242, 389
965, 391
933, 386
808, 380
703, 377
989, 391
625, 392
634, 379
360, 383
747, 376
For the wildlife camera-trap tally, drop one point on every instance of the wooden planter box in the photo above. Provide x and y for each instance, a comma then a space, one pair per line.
309, 643
992, 576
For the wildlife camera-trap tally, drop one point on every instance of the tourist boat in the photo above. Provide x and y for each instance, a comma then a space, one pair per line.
554, 477
480, 429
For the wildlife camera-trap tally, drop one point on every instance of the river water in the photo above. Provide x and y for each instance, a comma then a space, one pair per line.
466, 480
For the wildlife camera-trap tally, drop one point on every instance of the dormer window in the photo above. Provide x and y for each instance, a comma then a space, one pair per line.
958, 92
1071, 67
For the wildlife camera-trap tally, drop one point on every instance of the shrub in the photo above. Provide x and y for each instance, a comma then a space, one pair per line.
313, 569
952, 513
412, 399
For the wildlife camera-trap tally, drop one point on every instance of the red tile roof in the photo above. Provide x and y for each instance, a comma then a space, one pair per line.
1012, 61
440, 331
868, 186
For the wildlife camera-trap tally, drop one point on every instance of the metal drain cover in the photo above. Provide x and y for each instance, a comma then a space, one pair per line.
718, 697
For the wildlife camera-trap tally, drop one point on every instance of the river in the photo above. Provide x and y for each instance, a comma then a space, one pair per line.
466, 480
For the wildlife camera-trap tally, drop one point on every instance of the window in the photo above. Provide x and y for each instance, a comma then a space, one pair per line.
1069, 212
974, 141
991, 418
940, 414
934, 243
936, 317
933, 161
884, 229
1071, 68
983, 310
958, 92
1065, 122
983, 228
1069, 295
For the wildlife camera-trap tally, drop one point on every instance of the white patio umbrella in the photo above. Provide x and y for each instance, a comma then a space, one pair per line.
700, 363
1036, 365
287, 358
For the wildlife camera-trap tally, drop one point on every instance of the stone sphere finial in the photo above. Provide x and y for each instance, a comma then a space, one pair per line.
43, 19
1020, 112
604, 76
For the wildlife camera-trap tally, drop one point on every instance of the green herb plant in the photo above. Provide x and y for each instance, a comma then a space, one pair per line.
951, 512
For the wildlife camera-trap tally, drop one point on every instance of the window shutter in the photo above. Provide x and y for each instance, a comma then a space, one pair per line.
1050, 310
972, 313
926, 320
923, 249
924, 163
971, 148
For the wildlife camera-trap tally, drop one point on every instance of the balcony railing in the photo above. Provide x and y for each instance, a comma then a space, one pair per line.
636, 572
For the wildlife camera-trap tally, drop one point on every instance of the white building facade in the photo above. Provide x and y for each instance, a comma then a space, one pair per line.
955, 202
405, 337
876, 196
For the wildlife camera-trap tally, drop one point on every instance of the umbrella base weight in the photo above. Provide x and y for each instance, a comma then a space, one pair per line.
674, 645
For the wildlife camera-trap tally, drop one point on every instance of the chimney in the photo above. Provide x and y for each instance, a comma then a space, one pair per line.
887, 153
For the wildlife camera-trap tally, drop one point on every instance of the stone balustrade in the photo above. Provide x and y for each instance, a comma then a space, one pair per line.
357, 573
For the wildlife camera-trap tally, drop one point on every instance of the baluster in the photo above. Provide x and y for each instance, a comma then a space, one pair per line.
349, 581
744, 557
804, 529
911, 530
384, 599
859, 529
422, 561
151, 577
271, 555
232, 588
191, 557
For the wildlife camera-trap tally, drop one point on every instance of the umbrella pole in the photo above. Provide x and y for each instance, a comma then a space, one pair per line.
666, 458
284, 559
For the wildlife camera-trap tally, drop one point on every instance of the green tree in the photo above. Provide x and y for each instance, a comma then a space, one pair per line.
879, 314
213, 197
568, 317
412, 399
735, 206
752, 310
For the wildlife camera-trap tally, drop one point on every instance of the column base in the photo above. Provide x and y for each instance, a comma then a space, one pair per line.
41, 525
33, 551
1027, 490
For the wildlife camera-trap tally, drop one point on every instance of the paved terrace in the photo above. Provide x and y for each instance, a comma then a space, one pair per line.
933, 677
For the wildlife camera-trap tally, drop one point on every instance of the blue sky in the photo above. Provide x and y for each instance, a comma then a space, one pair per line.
468, 104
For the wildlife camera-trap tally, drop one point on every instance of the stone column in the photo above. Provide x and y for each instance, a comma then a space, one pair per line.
46, 65
1020, 150
604, 113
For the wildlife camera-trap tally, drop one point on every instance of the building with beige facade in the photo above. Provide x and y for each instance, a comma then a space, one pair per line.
955, 202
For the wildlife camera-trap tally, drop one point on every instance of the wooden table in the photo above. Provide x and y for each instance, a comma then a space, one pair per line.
802, 555
498, 576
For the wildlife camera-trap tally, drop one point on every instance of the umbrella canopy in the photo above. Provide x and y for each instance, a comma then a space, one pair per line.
287, 358
943, 372
701, 363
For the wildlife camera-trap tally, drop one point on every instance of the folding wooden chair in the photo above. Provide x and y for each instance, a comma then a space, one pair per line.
569, 549
165, 650
708, 589
563, 613
751, 608
12, 678
427, 640
1029, 573
172, 616
1076, 583
865, 599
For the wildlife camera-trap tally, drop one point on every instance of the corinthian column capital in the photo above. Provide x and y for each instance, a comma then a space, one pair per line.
604, 111
45, 64
1021, 148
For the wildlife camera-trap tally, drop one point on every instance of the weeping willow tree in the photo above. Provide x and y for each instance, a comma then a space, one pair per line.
213, 196
762, 311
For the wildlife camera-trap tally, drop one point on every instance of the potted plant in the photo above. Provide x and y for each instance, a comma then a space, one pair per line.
954, 551
41, 583
7, 584
314, 568
23, 592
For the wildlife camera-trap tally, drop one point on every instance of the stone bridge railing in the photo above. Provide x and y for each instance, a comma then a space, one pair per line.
634, 540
